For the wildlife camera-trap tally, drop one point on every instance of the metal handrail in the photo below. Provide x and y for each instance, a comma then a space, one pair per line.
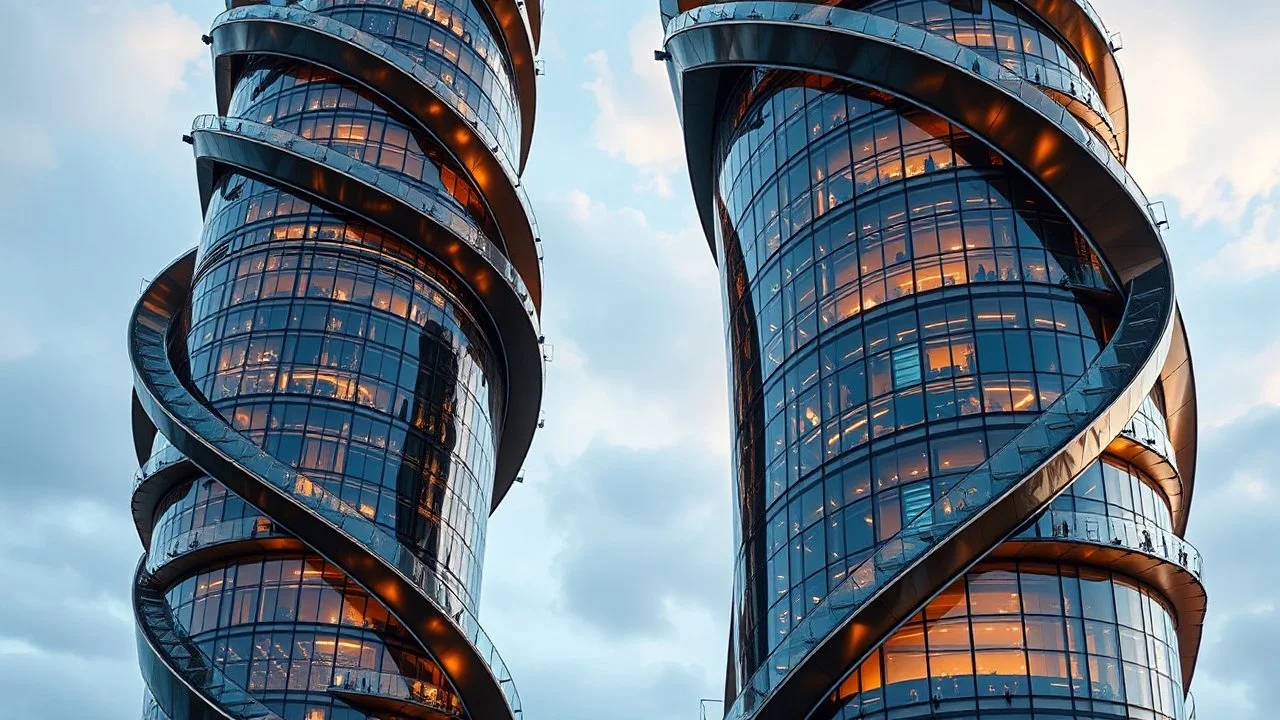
395, 686
1098, 529
1160, 444
227, 531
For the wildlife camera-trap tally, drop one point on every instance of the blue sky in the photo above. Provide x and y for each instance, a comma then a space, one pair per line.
607, 576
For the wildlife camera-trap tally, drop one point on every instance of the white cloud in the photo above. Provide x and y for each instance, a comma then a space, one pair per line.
638, 356
12, 646
113, 72
1202, 123
1202, 114
1255, 253
683, 253
635, 118
627, 489
145, 56
600, 409
1238, 385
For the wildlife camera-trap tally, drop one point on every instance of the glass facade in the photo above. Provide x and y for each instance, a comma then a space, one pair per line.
318, 105
199, 512
1001, 30
1023, 641
454, 40
150, 710
1111, 488
1004, 31
900, 301
370, 370
289, 628
370, 374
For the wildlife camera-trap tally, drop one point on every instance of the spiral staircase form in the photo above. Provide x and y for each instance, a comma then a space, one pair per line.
1069, 140
365, 164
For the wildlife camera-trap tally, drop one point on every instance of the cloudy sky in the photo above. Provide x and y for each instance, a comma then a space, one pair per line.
607, 576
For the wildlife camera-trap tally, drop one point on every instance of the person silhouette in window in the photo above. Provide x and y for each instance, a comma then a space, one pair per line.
981, 274
929, 164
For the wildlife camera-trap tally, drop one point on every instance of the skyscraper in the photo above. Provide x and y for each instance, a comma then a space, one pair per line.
340, 384
964, 420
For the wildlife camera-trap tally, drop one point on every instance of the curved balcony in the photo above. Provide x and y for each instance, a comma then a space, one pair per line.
434, 105
1145, 443
1157, 557
438, 619
393, 694
161, 472
1109, 532
1082, 26
391, 203
212, 543
708, 47
179, 675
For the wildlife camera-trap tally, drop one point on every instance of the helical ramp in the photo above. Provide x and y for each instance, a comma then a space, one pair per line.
339, 385
879, 182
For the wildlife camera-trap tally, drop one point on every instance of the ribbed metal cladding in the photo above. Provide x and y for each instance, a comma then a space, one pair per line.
339, 385
958, 369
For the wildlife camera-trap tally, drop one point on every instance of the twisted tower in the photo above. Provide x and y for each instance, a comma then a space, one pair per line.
964, 412
340, 384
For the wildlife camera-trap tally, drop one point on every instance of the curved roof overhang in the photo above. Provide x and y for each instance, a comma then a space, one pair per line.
332, 178
536, 9
303, 36
708, 53
1156, 467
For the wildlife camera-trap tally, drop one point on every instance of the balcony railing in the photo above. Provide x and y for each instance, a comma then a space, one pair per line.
397, 687
249, 528
1116, 532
